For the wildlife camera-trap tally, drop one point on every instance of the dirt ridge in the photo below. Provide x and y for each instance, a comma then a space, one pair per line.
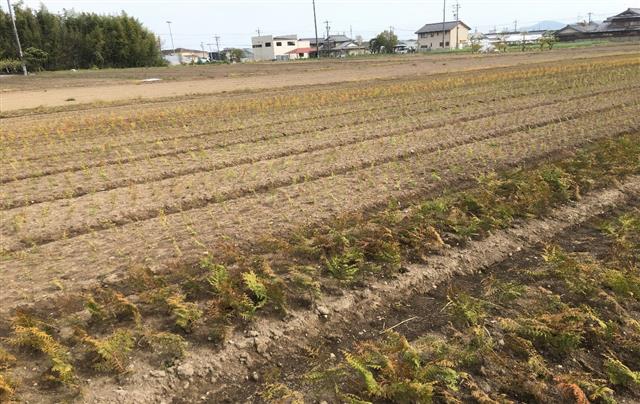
224, 365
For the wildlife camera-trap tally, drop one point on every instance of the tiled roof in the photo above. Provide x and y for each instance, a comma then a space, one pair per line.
437, 27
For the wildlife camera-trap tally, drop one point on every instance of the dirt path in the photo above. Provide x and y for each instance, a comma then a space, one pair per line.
52, 97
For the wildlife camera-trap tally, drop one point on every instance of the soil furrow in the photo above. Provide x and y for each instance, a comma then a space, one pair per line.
224, 186
69, 186
339, 111
164, 240
236, 140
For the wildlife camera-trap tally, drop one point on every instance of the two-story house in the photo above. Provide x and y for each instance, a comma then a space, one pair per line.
430, 36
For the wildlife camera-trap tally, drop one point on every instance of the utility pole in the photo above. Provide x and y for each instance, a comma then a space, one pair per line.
15, 32
328, 28
456, 10
217, 44
515, 26
315, 25
590, 14
444, 20
173, 46
351, 31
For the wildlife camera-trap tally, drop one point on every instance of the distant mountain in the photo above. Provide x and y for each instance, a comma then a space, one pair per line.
545, 26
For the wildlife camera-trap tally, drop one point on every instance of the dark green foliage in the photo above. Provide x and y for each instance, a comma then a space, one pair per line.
78, 40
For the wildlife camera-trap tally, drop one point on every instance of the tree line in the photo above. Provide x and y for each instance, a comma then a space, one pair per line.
72, 40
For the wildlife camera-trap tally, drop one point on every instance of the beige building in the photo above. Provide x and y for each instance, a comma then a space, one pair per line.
284, 47
456, 35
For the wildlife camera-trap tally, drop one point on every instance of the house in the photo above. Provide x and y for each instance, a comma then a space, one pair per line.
182, 56
430, 36
341, 46
284, 47
625, 24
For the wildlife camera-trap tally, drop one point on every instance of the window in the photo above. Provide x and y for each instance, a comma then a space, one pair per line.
447, 44
433, 34
301, 55
278, 43
291, 43
267, 44
441, 45
257, 46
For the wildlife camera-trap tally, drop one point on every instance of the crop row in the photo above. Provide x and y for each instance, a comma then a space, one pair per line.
161, 241
159, 148
47, 222
102, 178
64, 145
232, 108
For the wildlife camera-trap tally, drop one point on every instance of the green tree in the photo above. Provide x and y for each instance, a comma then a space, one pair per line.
79, 40
236, 55
35, 58
385, 42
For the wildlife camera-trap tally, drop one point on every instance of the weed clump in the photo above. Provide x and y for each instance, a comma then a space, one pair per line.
32, 337
112, 353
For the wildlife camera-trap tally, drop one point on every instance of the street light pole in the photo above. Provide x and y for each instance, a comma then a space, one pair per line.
315, 24
15, 32
173, 47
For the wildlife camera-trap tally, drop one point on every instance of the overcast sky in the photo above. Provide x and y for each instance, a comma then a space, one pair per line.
235, 21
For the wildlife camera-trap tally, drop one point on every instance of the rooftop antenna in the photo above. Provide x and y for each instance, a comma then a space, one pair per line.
515, 26
328, 28
590, 14
15, 32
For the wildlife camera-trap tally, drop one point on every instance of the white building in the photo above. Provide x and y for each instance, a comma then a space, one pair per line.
284, 47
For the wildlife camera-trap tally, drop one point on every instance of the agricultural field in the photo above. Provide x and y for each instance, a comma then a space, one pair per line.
398, 239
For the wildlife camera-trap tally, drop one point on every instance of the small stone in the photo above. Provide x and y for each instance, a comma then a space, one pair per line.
158, 373
332, 356
66, 332
252, 334
255, 376
185, 370
261, 345
501, 342
323, 310
135, 299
